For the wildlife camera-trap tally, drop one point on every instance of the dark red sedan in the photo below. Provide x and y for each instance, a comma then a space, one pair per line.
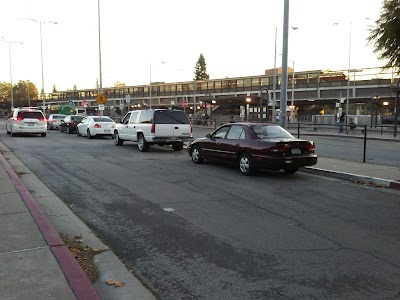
70, 122
254, 146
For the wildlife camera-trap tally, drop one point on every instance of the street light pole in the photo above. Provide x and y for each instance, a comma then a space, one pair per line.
100, 70
9, 57
150, 88
283, 95
292, 102
348, 78
274, 84
41, 55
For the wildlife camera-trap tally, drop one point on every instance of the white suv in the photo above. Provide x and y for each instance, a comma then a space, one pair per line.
27, 120
154, 126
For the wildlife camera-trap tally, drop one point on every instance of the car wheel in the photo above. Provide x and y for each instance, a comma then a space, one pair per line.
196, 155
245, 164
43, 134
68, 130
117, 140
89, 136
61, 129
7, 130
290, 170
177, 146
13, 134
77, 132
142, 144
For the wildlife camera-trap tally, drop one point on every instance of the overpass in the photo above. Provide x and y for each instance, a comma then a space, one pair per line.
311, 91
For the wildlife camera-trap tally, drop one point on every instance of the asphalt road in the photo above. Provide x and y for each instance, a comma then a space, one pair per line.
206, 232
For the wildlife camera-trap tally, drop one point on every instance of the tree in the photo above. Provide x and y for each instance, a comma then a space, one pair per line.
97, 83
385, 35
20, 93
75, 88
54, 89
201, 69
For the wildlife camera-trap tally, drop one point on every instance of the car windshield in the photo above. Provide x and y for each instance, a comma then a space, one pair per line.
103, 119
266, 131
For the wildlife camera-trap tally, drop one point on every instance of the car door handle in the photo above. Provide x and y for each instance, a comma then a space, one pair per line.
176, 127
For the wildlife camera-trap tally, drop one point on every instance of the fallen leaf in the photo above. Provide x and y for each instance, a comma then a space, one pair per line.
114, 282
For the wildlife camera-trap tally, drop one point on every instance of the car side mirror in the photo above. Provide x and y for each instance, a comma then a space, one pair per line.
209, 136
62, 121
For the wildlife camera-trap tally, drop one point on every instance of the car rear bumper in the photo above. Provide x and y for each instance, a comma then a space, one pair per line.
29, 129
168, 140
285, 162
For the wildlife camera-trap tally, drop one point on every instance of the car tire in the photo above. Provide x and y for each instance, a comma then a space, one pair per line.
89, 136
13, 134
245, 164
177, 146
68, 130
78, 133
7, 130
196, 155
290, 170
117, 140
143, 146
61, 129
43, 134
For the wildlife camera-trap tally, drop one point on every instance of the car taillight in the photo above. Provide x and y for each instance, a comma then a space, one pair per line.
97, 126
153, 128
18, 119
310, 148
42, 119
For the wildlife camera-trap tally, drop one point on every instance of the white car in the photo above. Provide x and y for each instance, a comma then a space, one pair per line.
27, 121
54, 121
95, 125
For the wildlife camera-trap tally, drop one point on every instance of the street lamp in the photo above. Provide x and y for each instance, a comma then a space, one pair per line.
374, 99
248, 100
41, 53
9, 57
292, 102
150, 89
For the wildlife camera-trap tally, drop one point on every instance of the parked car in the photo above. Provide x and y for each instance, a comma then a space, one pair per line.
95, 125
69, 123
54, 121
254, 146
154, 126
26, 120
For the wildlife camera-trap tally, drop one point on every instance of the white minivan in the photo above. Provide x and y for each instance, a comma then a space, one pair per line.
27, 120
154, 127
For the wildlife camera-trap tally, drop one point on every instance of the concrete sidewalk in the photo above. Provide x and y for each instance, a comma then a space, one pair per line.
36, 264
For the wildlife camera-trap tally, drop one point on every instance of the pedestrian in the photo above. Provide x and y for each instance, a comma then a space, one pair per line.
342, 119
206, 117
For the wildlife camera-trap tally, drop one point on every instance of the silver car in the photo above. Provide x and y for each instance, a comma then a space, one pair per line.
54, 121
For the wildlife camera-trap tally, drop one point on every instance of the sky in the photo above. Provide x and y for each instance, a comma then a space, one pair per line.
237, 38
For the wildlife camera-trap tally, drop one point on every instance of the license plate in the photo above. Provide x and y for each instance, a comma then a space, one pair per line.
296, 151
107, 130
31, 124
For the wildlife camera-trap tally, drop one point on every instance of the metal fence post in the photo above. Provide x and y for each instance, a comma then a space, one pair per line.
365, 143
298, 130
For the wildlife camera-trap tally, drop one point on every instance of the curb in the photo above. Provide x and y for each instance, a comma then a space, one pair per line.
366, 180
77, 279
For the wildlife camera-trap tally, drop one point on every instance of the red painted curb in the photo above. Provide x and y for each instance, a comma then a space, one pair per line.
77, 279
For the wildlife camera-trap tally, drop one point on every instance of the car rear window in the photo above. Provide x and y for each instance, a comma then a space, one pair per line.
30, 114
58, 116
103, 120
263, 131
170, 117
77, 118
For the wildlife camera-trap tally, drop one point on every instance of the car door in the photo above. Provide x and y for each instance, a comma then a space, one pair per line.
132, 126
123, 131
211, 147
232, 143
83, 125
